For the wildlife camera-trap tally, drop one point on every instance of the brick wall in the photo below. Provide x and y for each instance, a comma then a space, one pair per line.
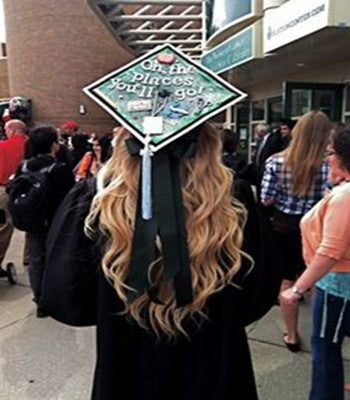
4, 82
55, 48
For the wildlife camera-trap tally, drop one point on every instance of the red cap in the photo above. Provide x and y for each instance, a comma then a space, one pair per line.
70, 125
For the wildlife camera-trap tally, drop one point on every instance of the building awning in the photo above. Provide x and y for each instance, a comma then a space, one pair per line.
297, 37
141, 25
329, 46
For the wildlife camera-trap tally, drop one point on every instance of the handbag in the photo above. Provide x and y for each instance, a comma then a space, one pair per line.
285, 224
69, 291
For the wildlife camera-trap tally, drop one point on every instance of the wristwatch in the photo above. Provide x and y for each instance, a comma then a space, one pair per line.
297, 291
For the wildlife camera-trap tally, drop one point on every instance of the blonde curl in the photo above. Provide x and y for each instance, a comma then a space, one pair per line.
214, 232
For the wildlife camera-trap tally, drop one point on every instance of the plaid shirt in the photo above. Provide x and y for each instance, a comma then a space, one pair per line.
276, 185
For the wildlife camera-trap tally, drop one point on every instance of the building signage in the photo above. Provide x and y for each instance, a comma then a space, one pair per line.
294, 20
234, 51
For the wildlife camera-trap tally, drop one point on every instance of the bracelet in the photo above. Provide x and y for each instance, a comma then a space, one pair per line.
297, 291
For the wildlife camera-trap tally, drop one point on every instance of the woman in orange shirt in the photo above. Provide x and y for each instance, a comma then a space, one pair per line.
92, 161
326, 250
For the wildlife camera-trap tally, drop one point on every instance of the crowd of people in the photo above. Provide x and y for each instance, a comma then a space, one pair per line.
301, 177
68, 155
257, 234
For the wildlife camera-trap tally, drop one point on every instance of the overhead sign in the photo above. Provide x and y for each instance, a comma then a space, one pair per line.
294, 20
168, 85
232, 52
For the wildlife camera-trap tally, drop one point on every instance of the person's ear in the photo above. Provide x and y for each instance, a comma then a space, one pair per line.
55, 147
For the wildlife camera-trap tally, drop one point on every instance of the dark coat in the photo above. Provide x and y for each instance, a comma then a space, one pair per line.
272, 145
235, 162
285, 141
61, 180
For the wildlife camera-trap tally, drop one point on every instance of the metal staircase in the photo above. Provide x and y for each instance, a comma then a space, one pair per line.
140, 25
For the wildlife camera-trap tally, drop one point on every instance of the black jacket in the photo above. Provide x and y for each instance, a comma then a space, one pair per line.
272, 145
61, 181
235, 162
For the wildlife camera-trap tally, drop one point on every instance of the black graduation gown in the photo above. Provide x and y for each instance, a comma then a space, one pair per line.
215, 364
131, 363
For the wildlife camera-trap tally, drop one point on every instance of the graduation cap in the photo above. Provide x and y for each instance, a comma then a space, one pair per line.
159, 98
170, 87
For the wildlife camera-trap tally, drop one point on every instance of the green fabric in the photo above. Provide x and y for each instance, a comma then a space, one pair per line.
167, 222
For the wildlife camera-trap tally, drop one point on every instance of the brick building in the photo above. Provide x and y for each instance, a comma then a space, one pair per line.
4, 87
54, 49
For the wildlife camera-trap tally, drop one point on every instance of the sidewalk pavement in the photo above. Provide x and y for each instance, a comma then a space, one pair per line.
41, 359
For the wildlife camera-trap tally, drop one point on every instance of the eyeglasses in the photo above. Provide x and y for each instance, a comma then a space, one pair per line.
329, 153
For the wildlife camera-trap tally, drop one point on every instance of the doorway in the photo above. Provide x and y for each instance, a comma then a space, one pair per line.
301, 97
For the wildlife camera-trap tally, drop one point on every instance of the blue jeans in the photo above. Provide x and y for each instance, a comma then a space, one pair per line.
330, 324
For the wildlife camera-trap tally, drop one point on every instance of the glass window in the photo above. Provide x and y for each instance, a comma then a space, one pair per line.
242, 127
243, 113
324, 100
258, 110
222, 13
347, 98
274, 109
301, 101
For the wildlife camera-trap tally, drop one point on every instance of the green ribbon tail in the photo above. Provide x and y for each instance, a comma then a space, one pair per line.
168, 222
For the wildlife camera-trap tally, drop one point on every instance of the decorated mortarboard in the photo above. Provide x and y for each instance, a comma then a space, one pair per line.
159, 98
167, 84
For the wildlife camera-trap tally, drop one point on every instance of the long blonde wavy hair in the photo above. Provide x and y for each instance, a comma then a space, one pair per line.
305, 153
213, 221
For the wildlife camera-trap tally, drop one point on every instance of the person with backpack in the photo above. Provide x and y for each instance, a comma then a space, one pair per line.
35, 193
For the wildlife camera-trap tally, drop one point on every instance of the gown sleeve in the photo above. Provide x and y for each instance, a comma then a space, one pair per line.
260, 281
69, 290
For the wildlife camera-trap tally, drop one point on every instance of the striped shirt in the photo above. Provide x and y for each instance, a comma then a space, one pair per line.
276, 185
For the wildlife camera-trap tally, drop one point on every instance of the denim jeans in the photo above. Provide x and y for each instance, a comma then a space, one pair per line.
330, 324
6, 227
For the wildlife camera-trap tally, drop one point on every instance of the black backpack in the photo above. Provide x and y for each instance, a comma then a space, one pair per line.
28, 198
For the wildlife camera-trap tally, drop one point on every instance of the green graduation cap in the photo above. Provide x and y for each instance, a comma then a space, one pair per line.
164, 94
160, 97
